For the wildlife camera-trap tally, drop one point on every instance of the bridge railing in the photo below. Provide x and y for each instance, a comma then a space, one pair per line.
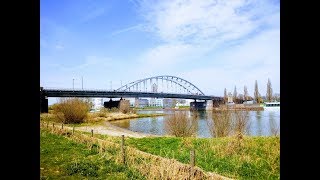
109, 90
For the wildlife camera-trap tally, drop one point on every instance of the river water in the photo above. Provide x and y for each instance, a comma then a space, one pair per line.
261, 123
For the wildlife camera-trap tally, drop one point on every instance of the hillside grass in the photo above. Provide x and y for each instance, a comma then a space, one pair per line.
61, 158
249, 158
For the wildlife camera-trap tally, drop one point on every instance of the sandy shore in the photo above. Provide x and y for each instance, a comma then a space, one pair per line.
111, 130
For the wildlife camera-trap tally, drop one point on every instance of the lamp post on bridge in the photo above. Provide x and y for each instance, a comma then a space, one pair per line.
72, 83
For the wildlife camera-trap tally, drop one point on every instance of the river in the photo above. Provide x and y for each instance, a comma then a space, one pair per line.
261, 123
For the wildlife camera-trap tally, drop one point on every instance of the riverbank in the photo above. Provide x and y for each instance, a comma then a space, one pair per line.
99, 117
163, 109
99, 123
113, 116
105, 149
108, 129
63, 158
245, 158
241, 107
253, 107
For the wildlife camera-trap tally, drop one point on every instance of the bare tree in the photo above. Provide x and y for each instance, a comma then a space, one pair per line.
235, 94
179, 125
245, 93
220, 125
269, 91
242, 122
225, 98
256, 92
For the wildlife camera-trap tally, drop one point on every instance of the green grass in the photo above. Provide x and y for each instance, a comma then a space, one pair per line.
61, 158
255, 158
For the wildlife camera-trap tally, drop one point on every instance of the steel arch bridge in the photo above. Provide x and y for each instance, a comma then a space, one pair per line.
152, 87
163, 84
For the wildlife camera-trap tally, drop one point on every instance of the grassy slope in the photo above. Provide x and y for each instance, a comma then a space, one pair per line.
61, 158
255, 158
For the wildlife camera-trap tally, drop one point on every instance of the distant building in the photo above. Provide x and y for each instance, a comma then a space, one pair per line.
248, 102
97, 103
169, 103
182, 102
156, 102
230, 98
141, 102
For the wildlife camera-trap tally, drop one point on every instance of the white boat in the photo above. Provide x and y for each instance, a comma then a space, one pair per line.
271, 106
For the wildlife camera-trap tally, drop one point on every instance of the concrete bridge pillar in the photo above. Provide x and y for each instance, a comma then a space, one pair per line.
209, 105
198, 105
43, 102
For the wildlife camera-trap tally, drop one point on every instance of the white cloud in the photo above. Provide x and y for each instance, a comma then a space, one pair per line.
236, 42
196, 21
256, 59
165, 55
126, 29
198, 27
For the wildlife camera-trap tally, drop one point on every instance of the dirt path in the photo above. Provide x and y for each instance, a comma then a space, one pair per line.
111, 130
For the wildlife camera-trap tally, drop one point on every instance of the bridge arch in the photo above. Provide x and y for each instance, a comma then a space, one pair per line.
184, 85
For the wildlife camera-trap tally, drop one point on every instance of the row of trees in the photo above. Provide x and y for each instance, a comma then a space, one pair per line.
257, 97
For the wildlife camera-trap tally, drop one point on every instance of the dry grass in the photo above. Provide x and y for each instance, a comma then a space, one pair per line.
260, 154
151, 166
241, 124
71, 110
108, 116
47, 117
179, 125
124, 106
220, 125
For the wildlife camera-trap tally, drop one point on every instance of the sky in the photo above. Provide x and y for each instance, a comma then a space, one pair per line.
214, 44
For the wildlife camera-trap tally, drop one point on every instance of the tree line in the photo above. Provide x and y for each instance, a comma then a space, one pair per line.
257, 98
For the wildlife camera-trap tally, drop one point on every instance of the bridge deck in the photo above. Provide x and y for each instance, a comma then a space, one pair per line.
123, 94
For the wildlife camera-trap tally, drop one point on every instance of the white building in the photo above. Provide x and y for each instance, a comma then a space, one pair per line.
97, 103
156, 102
230, 98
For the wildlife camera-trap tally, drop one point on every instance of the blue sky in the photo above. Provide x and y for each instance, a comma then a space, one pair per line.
214, 44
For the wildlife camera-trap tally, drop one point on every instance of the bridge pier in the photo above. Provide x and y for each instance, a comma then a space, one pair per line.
121, 104
198, 106
43, 102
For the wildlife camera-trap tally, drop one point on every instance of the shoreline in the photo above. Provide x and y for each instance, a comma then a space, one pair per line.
111, 130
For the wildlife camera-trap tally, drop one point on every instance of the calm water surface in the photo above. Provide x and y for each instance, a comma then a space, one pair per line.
261, 123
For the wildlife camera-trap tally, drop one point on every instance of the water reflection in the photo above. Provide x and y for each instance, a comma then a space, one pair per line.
154, 124
261, 123
274, 128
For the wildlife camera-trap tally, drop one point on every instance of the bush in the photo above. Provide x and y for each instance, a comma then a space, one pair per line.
242, 123
103, 112
179, 125
124, 106
113, 110
220, 125
71, 110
